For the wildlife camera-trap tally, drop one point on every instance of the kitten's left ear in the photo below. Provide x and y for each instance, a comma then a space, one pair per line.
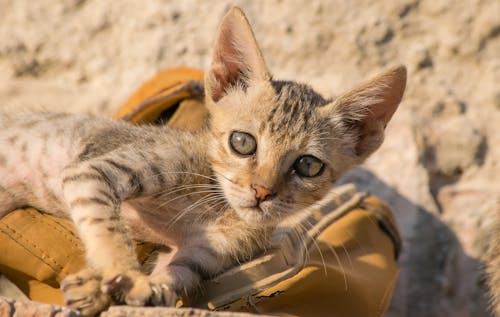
237, 61
365, 111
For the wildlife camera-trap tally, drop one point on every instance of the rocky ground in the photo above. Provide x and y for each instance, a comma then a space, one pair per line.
440, 164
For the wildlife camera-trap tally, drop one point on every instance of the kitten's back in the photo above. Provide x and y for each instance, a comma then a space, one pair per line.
36, 147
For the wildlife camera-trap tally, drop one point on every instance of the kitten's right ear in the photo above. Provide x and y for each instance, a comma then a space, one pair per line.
237, 61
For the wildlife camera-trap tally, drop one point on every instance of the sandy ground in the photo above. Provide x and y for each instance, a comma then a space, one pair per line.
439, 166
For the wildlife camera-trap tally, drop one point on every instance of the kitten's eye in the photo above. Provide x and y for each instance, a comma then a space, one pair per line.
242, 143
308, 166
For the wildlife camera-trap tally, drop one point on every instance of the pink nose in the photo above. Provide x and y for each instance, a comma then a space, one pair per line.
261, 192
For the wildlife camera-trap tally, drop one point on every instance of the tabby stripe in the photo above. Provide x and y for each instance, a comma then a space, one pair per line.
84, 154
119, 166
136, 184
108, 196
106, 179
89, 201
96, 220
113, 229
157, 174
83, 176
135, 181
51, 196
193, 266
155, 170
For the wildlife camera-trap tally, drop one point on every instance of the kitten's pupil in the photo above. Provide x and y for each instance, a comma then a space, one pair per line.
242, 143
308, 166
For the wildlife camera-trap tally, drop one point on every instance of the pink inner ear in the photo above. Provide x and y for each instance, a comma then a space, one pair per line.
227, 64
371, 135
381, 113
372, 127
237, 61
369, 108
226, 76
384, 110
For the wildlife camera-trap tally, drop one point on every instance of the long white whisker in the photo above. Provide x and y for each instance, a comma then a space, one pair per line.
317, 247
194, 174
202, 200
163, 204
302, 241
184, 188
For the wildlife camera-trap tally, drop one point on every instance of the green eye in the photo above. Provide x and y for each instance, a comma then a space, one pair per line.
308, 166
242, 143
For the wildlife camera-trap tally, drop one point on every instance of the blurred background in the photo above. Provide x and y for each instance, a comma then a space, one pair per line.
439, 167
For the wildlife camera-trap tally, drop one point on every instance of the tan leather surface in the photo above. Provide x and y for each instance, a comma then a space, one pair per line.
37, 252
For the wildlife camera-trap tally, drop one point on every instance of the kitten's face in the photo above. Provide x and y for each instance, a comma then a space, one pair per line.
277, 147
272, 152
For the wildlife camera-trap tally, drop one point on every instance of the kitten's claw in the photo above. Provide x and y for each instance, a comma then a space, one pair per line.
82, 293
163, 295
119, 284
132, 287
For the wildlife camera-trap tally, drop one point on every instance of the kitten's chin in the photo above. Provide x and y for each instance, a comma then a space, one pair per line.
253, 215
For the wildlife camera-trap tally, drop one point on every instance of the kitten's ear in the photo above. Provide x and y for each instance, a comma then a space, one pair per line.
365, 111
237, 61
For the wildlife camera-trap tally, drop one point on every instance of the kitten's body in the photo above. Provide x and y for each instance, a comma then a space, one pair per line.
271, 149
164, 174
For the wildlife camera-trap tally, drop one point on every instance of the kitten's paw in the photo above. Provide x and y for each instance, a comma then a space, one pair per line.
163, 294
131, 287
82, 292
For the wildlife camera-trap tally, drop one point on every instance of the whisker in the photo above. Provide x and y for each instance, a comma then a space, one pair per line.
223, 176
222, 203
334, 252
317, 247
182, 188
206, 198
301, 240
192, 173
163, 204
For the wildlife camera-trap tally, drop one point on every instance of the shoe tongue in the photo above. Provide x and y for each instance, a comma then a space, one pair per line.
159, 98
190, 114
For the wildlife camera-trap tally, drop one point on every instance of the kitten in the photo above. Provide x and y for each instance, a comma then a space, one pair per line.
271, 149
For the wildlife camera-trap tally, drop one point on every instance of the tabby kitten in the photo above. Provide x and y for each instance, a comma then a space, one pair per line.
271, 149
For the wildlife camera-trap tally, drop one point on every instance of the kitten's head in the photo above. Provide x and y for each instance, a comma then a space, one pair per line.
279, 146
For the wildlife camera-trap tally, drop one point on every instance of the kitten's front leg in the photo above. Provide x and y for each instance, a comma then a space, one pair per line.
93, 191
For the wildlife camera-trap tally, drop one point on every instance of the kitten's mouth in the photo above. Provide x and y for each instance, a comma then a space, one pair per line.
252, 213
255, 208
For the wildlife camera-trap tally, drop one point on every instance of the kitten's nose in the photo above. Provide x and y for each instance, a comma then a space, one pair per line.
261, 192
